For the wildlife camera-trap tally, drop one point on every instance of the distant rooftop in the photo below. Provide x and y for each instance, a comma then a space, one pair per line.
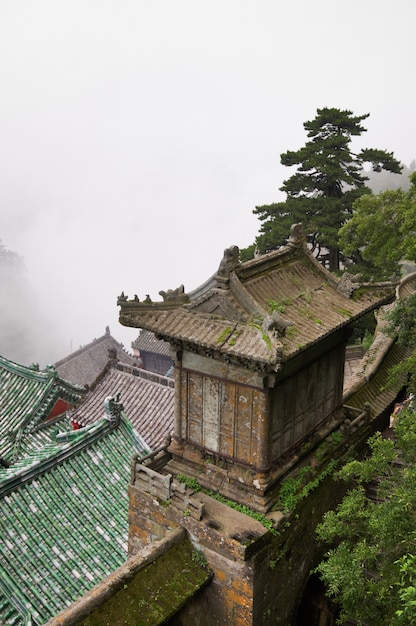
86, 364
148, 400
147, 342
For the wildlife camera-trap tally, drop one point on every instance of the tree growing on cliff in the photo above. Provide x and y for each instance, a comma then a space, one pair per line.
371, 567
329, 178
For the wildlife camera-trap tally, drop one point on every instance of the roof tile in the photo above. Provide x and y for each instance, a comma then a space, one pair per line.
76, 532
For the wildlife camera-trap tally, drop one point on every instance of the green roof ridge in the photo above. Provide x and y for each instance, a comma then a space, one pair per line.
14, 596
65, 528
49, 373
49, 456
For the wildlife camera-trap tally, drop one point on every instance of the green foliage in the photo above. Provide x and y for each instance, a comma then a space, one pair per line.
380, 232
192, 483
370, 568
402, 324
199, 558
328, 180
224, 335
294, 489
367, 340
336, 437
407, 591
247, 253
402, 321
280, 305
364, 326
230, 335
308, 313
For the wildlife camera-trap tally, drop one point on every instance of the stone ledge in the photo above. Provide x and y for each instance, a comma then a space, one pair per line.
102, 592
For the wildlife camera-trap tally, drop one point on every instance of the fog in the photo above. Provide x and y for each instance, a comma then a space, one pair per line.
137, 137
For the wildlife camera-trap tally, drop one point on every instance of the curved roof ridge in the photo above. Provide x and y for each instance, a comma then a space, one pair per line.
52, 453
89, 346
199, 292
29, 371
383, 343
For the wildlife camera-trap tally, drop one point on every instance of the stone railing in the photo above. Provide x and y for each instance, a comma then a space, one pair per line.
355, 418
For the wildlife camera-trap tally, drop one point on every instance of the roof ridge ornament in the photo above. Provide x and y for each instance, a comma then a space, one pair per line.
297, 235
276, 324
230, 263
177, 295
113, 409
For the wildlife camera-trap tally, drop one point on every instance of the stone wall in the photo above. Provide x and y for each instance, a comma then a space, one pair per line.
259, 573
227, 538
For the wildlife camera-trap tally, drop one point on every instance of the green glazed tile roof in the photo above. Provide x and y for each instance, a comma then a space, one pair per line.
64, 520
26, 400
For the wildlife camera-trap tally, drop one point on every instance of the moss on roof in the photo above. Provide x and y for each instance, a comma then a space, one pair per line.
157, 591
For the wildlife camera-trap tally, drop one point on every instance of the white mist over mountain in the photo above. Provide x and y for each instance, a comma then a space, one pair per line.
137, 137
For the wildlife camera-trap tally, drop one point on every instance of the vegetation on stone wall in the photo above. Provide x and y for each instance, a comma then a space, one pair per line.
402, 323
296, 488
193, 484
155, 593
371, 567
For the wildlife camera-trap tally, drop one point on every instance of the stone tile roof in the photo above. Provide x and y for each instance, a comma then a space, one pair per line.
148, 400
376, 391
263, 311
64, 521
86, 364
369, 384
28, 398
147, 342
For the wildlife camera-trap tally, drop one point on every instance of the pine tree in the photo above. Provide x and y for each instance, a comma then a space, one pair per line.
329, 178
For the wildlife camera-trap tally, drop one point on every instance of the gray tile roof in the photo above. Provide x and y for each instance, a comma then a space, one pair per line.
86, 364
148, 342
148, 400
371, 381
263, 311
377, 392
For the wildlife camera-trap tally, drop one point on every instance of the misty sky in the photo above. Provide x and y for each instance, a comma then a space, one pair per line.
136, 137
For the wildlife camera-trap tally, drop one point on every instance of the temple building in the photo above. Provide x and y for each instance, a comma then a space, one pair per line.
65, 468
259, 355
260, 405
259, 402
